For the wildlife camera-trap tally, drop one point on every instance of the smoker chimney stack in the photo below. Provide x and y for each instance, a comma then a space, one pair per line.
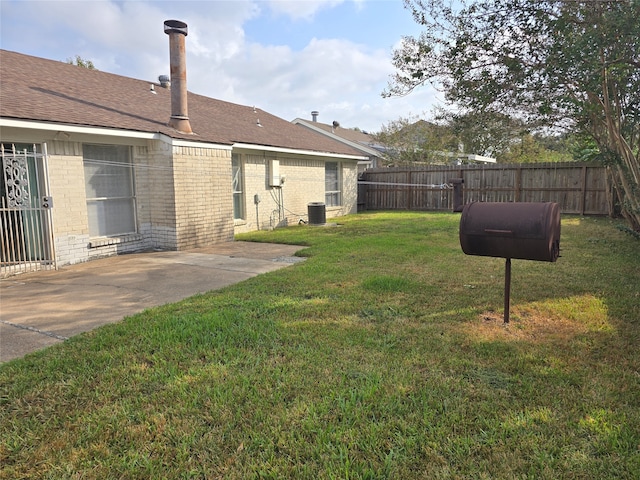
179, 120
314, 115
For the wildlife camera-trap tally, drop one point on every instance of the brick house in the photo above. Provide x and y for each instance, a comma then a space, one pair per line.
96, 164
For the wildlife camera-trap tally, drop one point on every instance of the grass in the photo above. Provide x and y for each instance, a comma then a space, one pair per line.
383, 355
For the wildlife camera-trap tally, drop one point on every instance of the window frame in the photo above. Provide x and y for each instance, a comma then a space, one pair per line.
237, 187
109, 200
332, 196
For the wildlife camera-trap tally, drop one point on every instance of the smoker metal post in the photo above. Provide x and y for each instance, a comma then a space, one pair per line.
507, 288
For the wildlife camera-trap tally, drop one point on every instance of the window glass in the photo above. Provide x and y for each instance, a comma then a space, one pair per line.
238, 196
332, 194
109, 187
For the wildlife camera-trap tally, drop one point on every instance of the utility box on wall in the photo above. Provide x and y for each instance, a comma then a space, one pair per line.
273, 173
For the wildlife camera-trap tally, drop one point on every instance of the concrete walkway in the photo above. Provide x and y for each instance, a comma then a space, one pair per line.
43, 308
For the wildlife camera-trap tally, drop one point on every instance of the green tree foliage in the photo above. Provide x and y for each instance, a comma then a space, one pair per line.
530, 148
569, 64
411, 141
81, 62
485, 133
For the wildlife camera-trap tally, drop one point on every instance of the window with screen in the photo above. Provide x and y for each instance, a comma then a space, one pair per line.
238, 194
109, 186
332, 193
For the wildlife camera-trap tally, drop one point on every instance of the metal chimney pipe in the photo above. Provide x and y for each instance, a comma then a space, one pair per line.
314, 116
179, 119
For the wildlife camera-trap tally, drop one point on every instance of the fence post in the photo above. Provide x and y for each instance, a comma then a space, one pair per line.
458, 204
408, 190
583, 193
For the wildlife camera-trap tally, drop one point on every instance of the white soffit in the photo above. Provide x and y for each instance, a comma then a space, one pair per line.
313, 153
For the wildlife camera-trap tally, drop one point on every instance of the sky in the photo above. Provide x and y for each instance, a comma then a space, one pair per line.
286, 57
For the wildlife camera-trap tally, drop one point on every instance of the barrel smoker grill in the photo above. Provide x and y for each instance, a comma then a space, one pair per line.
528, 231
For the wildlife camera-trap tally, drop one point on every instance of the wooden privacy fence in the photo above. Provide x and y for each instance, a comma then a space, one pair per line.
577, 187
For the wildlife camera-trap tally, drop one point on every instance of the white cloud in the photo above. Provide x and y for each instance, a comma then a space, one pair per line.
301, 9
333, 74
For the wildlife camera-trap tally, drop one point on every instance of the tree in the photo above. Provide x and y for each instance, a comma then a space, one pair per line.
483, 133
536, 148
410, 140
448, 134
561, 64
80, 62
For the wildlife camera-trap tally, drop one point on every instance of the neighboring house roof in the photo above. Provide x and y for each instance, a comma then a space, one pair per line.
354, 138
37, 89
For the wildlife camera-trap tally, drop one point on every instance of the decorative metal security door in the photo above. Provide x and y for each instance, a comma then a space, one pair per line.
25, 210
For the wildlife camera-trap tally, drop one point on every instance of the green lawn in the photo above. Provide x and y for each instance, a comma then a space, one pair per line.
383, 355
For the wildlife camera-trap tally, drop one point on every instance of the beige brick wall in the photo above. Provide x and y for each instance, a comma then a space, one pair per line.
70, 221
304, 183
183, 200
203, 196
155, 195
184, 195
69, 212
349, 187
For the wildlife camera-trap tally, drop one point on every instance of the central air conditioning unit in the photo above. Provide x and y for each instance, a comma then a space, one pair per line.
274, 173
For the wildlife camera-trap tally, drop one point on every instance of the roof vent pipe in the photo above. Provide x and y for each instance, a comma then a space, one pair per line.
177, 31
314, 115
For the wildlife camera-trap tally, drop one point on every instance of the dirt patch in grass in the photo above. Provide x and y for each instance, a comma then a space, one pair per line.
557, 321
528, 327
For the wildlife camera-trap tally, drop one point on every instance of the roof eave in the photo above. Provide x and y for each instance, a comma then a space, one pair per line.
105, 131
356, 145
296, 151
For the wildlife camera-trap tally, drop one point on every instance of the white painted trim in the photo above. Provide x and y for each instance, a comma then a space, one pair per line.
265, 148
175, 142
59, 127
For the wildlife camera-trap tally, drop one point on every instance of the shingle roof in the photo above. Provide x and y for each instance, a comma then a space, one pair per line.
365, 141
357, 136
37, 89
